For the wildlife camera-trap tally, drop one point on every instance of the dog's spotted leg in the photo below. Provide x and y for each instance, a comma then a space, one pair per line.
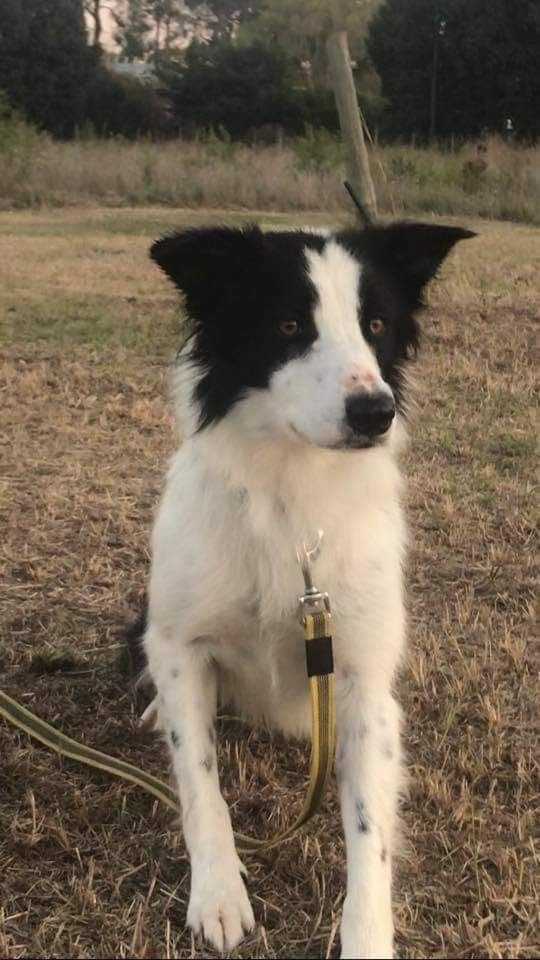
367, 767
218, 908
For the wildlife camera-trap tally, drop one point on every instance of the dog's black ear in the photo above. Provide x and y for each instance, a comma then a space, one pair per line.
207, 262
411, 252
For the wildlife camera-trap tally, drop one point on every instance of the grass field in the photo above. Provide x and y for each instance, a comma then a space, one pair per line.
304, 174
92, 868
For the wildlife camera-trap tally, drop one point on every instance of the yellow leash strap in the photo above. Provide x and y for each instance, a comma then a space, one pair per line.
320, 669
319, 664
56, 740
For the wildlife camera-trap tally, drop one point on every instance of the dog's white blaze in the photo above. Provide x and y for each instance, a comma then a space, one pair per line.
336, 278
310, 391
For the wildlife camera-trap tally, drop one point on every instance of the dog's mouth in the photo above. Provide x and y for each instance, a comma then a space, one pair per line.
352, 441
358, 442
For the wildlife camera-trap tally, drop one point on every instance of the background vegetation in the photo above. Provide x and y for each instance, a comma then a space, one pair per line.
304, 173
423, 68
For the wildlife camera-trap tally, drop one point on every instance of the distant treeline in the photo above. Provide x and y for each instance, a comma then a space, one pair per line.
255, 69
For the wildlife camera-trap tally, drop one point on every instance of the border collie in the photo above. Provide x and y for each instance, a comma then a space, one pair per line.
291, 395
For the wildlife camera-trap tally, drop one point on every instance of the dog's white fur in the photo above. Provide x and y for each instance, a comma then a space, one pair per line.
223, 611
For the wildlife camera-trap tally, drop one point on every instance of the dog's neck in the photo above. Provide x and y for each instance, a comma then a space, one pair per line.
304, 479
281, 473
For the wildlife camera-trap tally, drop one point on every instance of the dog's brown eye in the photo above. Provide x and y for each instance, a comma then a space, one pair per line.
377, 326
288, 328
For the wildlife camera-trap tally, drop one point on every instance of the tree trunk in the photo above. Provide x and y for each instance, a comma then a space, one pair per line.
94, 9
349, 120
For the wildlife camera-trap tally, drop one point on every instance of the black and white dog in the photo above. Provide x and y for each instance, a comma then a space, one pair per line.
290, 392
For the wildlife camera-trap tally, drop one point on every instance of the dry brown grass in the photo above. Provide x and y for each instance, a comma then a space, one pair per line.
91, 868
305, 174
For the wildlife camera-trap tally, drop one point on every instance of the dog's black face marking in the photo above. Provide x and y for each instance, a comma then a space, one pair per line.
175, 738
397, 263
380, 302
251, 301
242, 289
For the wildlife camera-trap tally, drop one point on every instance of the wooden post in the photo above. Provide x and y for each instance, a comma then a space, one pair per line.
341, 74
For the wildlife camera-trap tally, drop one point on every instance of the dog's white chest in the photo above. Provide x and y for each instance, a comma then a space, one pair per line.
257, 642
226, 577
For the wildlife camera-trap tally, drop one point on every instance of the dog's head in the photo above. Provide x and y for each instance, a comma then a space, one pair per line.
307, 331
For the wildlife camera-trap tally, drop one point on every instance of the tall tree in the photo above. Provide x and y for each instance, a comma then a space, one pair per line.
227, 16
150, 28
301, 27
220, 85
458, 66
132, 29
94, 10
171, 20
45, 62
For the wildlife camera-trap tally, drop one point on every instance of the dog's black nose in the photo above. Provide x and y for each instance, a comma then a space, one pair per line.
370, 414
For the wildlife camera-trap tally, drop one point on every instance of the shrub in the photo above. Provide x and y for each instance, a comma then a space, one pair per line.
237, 88
45, 63
20, 148
305, 174
318, 149
125, 107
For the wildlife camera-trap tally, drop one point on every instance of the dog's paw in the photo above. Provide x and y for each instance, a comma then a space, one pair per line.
219, 908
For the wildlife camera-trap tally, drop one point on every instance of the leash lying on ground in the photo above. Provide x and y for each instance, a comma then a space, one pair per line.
316, 619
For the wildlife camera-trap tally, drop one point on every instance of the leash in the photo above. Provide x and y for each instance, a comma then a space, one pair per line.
316, 619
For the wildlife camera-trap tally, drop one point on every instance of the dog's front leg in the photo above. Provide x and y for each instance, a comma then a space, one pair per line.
186, 685
367, 767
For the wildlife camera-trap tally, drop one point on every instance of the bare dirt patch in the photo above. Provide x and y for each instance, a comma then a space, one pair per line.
92, 868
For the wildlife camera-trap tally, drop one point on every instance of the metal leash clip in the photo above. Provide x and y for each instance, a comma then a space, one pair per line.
313, 600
